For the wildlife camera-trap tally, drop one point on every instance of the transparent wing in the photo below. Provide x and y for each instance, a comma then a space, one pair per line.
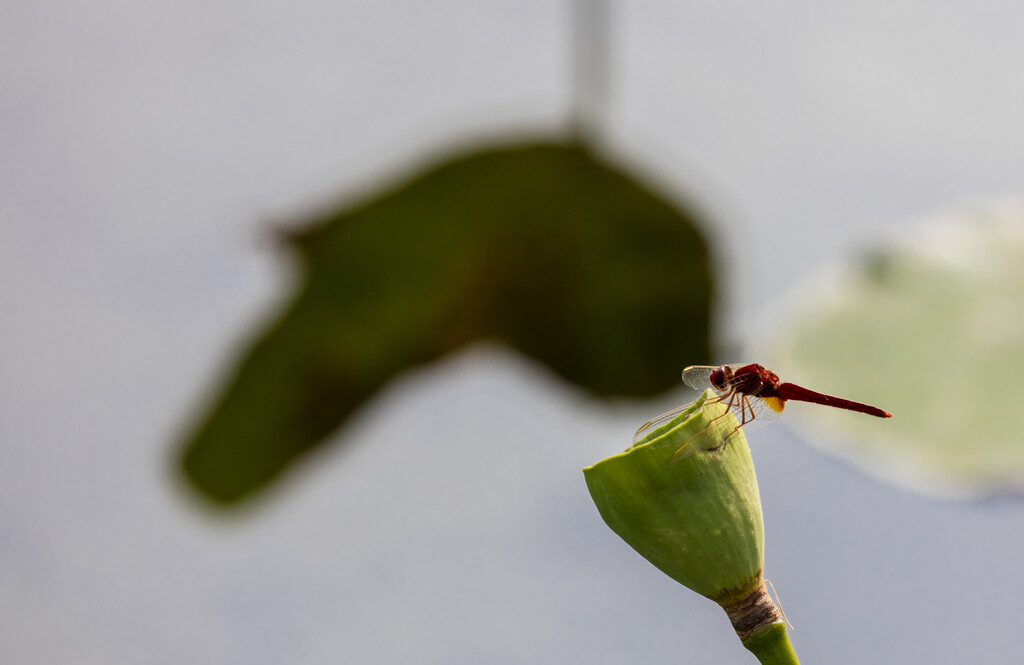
651, 425
703, 441
698, 377
695, 376
753, 413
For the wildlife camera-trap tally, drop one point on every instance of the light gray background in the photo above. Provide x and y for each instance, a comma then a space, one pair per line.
147, 148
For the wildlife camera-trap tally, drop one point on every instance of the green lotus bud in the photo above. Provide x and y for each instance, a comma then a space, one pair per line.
696, 516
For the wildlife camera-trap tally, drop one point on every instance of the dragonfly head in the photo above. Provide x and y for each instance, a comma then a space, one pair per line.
720, 377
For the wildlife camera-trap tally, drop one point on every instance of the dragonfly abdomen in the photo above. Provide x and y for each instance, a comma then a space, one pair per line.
791, 391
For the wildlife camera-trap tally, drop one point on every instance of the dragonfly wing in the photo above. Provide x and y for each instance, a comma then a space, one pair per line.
751, 412
698, 377
700, 442
654, 424
755, 413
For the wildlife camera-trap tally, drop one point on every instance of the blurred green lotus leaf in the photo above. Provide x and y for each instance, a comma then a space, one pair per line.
543, 247
931, 328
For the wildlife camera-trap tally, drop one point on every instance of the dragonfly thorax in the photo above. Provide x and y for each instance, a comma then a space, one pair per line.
749, 380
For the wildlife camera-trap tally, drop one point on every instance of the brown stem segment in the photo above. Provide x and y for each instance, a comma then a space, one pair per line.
753, 613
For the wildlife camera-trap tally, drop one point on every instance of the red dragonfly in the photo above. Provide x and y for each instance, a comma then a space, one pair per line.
754, 395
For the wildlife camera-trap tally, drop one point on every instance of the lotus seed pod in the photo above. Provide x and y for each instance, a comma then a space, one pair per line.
697, 519
696, 515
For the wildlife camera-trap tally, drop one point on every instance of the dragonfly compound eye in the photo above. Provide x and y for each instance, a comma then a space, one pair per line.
717, 378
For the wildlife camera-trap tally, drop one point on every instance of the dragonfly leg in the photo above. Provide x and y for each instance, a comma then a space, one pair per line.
732, 398
749, 411
745, 409
732, 395
746, 416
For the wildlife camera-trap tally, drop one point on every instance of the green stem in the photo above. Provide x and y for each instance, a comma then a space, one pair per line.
771, 645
